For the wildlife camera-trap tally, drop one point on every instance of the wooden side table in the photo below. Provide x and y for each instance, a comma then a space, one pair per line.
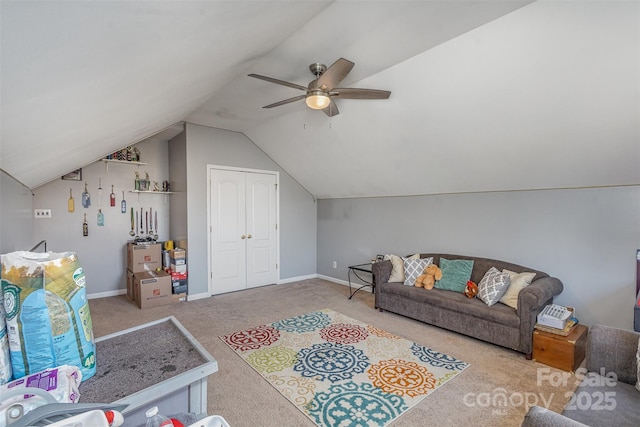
566, 353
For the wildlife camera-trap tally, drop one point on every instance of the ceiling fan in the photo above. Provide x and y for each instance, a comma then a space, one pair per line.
321, 92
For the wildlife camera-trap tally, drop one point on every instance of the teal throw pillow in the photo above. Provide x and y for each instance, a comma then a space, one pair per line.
455, 274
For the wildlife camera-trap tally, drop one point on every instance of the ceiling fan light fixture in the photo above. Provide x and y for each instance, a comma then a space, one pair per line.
318, 100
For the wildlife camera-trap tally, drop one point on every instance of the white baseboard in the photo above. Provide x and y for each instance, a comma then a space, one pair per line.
296, 279
107, 294
333, 279
193, 297
343, 282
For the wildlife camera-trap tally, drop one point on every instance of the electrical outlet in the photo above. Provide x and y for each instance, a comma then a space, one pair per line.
42, 213
335, 264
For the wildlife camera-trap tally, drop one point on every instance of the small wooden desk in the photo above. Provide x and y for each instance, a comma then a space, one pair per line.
566, 353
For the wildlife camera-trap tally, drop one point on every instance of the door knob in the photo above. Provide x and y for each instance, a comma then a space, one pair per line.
249, 236
243, 236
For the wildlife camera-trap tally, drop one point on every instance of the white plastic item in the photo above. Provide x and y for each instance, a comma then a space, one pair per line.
95, 418
211, 421
154, 419
15, 403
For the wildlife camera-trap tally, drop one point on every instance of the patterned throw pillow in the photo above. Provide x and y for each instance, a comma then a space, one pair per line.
413, 268
518, 282
493, 286
455, 274
397, 272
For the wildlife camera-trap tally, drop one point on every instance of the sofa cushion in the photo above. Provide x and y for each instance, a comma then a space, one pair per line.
455, 274
455, 302
397, 271
638, 366
493, 286
518, 282
414, 268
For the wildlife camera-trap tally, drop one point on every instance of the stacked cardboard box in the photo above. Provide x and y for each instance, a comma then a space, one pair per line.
178, 270
147, 285
152, 288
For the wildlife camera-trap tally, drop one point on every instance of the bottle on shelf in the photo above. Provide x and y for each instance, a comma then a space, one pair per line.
155, 419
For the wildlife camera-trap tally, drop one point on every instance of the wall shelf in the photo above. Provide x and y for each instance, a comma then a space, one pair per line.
121, 162
139, 192
151, 191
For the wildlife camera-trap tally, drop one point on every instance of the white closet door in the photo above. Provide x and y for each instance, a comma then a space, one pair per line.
228, 235
244, 237
261, 229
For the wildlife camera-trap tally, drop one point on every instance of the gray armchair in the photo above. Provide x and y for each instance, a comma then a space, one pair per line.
607, 395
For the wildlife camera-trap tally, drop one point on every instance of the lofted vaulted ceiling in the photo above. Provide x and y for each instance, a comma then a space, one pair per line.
486, 95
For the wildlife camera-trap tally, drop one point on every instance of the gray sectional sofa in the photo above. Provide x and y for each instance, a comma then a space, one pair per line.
498, 324
600, 401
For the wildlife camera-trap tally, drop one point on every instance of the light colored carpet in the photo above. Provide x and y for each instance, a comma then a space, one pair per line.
244, 398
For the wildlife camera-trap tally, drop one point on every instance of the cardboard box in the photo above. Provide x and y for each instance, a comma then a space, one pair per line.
144, 257
130, 293
152, 288
178, 254
566, 353
179, 297
180, 289
178, 276
176, 283
179, 268
177, 261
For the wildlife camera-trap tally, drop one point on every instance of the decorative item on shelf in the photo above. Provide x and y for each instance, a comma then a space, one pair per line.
145, 185
129, 154
122, 154
123, 204
155, 222
156, 186
136, 155
99, 192
76, 175
86, 197
71, 204
85, 226
136, 185
166, 187
100, 218
131, 233
112, 198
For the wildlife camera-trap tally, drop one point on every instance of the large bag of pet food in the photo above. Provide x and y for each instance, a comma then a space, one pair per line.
5, 358
48, 319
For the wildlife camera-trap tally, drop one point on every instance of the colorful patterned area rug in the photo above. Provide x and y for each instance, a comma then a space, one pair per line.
342, 372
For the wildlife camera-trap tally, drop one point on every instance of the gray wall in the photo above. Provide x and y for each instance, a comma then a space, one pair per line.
209, 146
16, 218
178, 177
102, 253
587, 238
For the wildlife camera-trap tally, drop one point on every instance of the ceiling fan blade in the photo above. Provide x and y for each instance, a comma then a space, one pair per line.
332, 109
279, 82
335, 74
285, 101
355, 93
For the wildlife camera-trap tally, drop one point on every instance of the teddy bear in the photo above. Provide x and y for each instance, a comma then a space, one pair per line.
427, 280
471, 290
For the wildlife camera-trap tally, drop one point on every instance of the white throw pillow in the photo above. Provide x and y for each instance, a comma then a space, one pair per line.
414, 268
397, 273
518, 282
493, 286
